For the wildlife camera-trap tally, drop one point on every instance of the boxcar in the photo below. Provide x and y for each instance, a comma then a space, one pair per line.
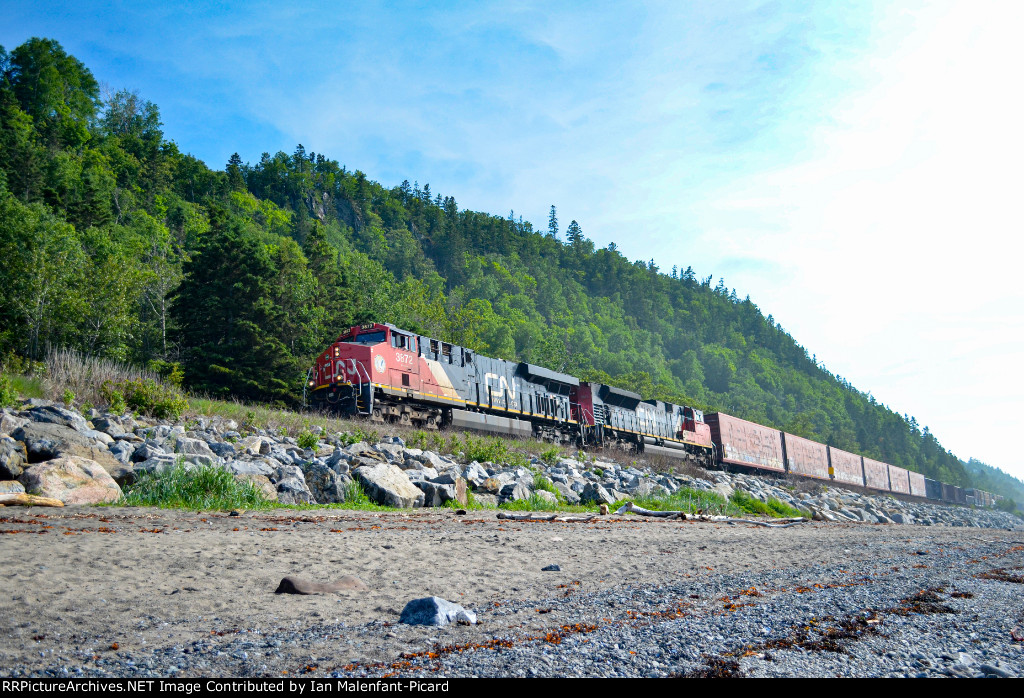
739, 442
899, 479
805, 457
846, 467
918, 486
876, 474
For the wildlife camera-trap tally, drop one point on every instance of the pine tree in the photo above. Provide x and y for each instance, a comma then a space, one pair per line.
553, 222
334, 293
236, 182
227, 317
574, 234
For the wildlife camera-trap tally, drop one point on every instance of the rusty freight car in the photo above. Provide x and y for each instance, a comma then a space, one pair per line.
876, 475
739, 442
805, 457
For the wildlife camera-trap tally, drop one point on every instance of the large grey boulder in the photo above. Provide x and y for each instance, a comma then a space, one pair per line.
326, 486
122, 451
146, 451
223, 449
387, 485
261, 482
108, 426
649, 488
514, 491
362, 451
421, 475
475, 474
435, 611
338, 457
46, 441
72, 480
547, 496
292, 490
485, 500
568, 495
195, 450
435, 494
51, 414
395, 453
245, 467
433, 460
10, 422
593, 493
13, 458
159, 464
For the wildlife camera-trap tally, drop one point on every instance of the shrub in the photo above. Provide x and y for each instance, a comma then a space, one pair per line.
308, 439
113, 397
68, 397
168, 371
551, 455
152, 398
8, 395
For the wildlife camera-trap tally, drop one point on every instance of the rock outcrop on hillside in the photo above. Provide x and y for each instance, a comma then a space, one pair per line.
46, 438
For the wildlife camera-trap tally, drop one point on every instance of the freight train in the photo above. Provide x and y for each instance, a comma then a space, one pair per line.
390, 374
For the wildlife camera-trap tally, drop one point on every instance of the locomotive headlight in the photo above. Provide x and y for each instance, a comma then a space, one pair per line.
312, 383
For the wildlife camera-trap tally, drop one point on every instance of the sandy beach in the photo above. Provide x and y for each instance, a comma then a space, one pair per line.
80, 582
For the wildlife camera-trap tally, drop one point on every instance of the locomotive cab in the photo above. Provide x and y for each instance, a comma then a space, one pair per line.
693, 429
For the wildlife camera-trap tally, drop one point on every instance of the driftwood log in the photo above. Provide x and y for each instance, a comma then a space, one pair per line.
543, 517
20, 499
629, 507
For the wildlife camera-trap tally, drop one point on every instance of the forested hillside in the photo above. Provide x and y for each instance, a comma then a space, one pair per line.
115, 242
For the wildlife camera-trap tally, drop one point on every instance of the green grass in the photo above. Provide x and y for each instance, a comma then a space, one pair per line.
542, 483
29, 386
772, 508
551, 455
211, 488
201, 489
689, 500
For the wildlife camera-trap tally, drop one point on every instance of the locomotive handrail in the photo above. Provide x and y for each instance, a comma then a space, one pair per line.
584, 425
356, 366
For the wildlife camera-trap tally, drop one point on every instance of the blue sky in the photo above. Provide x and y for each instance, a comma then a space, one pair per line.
853, 167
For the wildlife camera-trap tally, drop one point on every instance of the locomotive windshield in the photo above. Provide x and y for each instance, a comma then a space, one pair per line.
367, 338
